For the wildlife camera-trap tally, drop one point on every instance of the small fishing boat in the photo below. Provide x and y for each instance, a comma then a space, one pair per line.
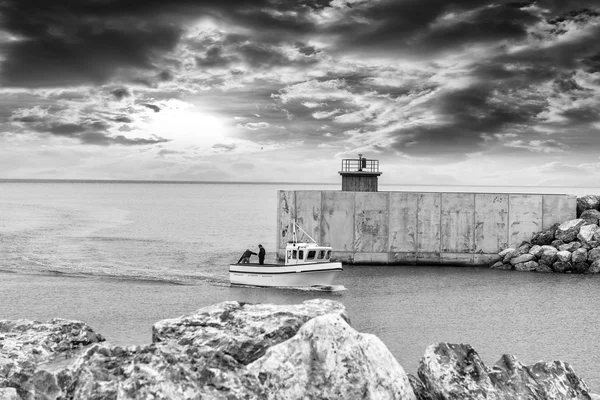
306, 265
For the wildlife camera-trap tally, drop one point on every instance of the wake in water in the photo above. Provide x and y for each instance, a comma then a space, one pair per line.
316, 288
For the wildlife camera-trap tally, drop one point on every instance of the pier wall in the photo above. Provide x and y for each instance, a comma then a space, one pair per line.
418, 227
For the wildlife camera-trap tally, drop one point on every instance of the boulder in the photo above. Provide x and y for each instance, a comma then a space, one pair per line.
544, 237
547, 255
557, 243
523, 258
593, 255
567, 231
561, 266
593, 243
526, 266
244, 331
497, 265
587, 202
570, 247
327, 359
157, 371
543, 268
25, 344
455, 371
563, 256
421, 392
578, 256
590, 214
587, 232
594, 267
11, 394
535, 250
539, 381
505, 252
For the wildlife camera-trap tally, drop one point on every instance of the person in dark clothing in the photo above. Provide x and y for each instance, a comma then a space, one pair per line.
261, 254
245, 258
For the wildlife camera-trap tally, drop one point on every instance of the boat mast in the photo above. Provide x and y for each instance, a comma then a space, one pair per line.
294, 237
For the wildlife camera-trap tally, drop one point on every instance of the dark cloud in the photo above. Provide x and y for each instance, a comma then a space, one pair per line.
153, 107
213, 58
224, 147
124, 119
120, 93
102, 139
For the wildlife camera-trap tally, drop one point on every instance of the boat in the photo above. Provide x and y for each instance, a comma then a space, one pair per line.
307, 264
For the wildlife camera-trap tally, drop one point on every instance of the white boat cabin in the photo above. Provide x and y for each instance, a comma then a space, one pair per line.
303, 253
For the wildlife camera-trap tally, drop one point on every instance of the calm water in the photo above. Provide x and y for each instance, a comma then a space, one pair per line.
123, 256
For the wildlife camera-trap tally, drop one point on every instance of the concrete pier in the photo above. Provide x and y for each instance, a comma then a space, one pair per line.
414, 228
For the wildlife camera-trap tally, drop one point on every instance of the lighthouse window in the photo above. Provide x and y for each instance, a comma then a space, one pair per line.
311, 255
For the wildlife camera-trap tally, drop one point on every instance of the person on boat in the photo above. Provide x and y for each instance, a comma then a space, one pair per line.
245, 258
261, 254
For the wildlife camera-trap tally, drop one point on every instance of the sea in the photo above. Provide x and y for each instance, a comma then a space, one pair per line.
121, 256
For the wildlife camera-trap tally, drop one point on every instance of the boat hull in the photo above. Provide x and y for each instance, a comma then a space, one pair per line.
277, 275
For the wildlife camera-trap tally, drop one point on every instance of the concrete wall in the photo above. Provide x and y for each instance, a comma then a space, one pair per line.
419, 228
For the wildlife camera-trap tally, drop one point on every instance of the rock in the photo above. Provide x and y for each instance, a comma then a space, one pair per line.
594, 267
570, 247
455, 371
497, 265
535, 249
593, 243
25, 344
557, 243
563, 256
587, 202
581, 267
523, 258
547, 255
587, 232
590, 214
509, 255
526, 266
593, 255
539, 381
579, 255
561, 266
504, 252
567, 231
157, 371
11, 394
421, 392
242, 330
543, 268
327, 359
544, 237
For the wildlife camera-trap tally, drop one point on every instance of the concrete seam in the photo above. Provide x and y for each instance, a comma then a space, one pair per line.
508, 240
440, 226
473, 248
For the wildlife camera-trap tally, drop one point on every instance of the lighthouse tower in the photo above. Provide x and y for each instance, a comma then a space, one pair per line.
359, 175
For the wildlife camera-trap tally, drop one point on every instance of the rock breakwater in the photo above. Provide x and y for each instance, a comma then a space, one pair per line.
234, 351
570, 247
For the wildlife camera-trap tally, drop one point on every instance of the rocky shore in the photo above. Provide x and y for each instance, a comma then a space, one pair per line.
234, 351
570, 247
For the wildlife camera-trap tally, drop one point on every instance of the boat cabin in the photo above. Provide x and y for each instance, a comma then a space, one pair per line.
302, 253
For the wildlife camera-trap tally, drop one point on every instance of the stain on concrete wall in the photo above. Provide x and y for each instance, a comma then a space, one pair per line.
525, 217
371, 222
458, 222
429, 209
403, 222
558, 208
491, 222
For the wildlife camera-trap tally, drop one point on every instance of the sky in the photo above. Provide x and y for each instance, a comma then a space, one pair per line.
446, 92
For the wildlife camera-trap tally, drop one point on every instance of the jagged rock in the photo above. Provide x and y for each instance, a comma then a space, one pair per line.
421, 392
580, 267
505, 252
548, 255
242, 330
579, 255
593, 243
587, 202
508, 256
25, 344
544, 268
567, 231
587, 232
11, 394
590, 214
557, 243
570, 247
593, 255
523, 258
526, 266
539, 381
534, 250
159, 371
497, 265
561, 266
544, 237
594, 267
563, 256
327, 359
455, 371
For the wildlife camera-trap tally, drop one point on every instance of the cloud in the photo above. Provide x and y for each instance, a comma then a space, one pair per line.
538, 146
153, 107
